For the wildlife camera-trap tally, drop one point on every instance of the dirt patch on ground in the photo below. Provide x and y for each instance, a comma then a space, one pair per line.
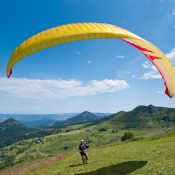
17, 170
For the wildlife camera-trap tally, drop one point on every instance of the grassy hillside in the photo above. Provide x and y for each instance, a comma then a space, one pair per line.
29, 155
154, 136
12, 131
29, 150
140, 117
151, 156
83, 117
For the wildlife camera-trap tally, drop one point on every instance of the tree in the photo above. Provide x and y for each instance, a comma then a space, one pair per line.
127, 136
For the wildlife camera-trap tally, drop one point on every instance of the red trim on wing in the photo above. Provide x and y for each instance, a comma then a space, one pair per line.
138, 47
151, 58
167, 92
10, 73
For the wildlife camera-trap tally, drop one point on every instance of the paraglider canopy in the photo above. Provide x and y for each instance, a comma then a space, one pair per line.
86, 31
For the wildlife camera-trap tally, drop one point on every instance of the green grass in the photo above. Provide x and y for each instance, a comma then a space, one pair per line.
150, 156
151, 148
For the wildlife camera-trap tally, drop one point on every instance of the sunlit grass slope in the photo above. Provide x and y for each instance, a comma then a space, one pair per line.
151, 156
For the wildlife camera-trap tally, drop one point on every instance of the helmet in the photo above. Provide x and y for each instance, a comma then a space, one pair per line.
82, 140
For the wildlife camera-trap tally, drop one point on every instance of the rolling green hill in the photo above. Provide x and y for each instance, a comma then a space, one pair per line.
83, 117
154, 135
144, 157
11, 131
140, 117
151, 152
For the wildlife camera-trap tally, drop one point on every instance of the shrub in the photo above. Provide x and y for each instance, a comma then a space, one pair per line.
20, 150
69, 130
127, 136
9, 161
66, 148
114, 131
102, 129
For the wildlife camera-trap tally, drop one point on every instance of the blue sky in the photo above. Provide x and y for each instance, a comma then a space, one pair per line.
97, 75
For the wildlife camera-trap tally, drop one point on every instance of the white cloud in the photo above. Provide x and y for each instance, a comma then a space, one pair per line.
89, 61
171, 54
152, 71
53, 89
120, 56
151, 75
146, 65
174, 12
154, 68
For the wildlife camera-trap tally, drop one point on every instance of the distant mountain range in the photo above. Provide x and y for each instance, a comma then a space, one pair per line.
83, 117
34, 120
42, 120
12, 130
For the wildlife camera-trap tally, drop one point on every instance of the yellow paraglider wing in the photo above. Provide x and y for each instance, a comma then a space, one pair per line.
86, 31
